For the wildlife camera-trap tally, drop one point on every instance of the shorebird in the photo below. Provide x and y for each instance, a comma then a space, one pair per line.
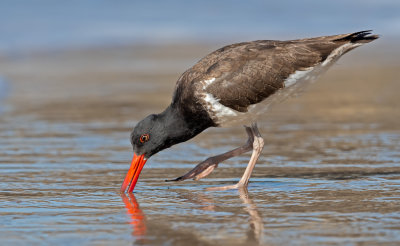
234, 85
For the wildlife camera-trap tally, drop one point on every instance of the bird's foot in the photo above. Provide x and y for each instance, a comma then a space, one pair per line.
198, 172
204, 168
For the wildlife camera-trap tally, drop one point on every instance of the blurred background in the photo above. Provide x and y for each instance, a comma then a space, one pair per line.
46, 24
76, 76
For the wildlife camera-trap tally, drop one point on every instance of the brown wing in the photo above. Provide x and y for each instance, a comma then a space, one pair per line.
256, 70
247, 73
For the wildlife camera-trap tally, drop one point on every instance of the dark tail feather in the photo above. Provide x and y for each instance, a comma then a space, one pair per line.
359, 37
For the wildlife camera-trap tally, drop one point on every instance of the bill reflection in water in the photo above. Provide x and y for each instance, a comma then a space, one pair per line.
136, 216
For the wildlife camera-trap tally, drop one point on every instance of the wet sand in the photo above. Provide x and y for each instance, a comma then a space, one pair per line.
329, 173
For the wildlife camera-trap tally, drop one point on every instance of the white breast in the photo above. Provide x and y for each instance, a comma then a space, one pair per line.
217, 111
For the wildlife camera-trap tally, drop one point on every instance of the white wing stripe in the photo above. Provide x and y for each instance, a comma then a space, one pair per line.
295, 77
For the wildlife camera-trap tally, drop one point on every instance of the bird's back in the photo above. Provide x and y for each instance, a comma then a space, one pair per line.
235, 79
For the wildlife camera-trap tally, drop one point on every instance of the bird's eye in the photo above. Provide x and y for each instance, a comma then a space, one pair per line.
144, 138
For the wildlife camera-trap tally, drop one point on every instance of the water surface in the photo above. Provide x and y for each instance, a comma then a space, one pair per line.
60, 185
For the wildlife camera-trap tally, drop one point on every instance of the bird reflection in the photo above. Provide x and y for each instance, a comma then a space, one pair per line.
137, 218
138, 221
256, 226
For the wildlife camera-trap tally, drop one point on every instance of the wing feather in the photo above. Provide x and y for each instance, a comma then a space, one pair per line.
247, 73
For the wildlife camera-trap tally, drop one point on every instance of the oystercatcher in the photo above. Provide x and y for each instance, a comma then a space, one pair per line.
230, 86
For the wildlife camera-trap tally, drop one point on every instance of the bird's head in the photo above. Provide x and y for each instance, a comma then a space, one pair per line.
155, 133
148, 137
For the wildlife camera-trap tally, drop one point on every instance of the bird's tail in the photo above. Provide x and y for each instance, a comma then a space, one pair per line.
358, 37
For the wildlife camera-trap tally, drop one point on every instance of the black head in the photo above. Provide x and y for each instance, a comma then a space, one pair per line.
160, 131
149, 136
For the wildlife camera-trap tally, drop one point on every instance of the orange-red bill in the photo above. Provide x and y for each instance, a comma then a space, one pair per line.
132, 176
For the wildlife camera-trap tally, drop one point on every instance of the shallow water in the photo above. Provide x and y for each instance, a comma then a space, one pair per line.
60, 186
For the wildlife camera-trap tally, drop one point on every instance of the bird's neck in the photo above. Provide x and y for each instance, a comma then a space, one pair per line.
183, 125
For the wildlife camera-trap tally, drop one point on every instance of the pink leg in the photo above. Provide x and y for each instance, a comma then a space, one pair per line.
255, 142
258, 145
